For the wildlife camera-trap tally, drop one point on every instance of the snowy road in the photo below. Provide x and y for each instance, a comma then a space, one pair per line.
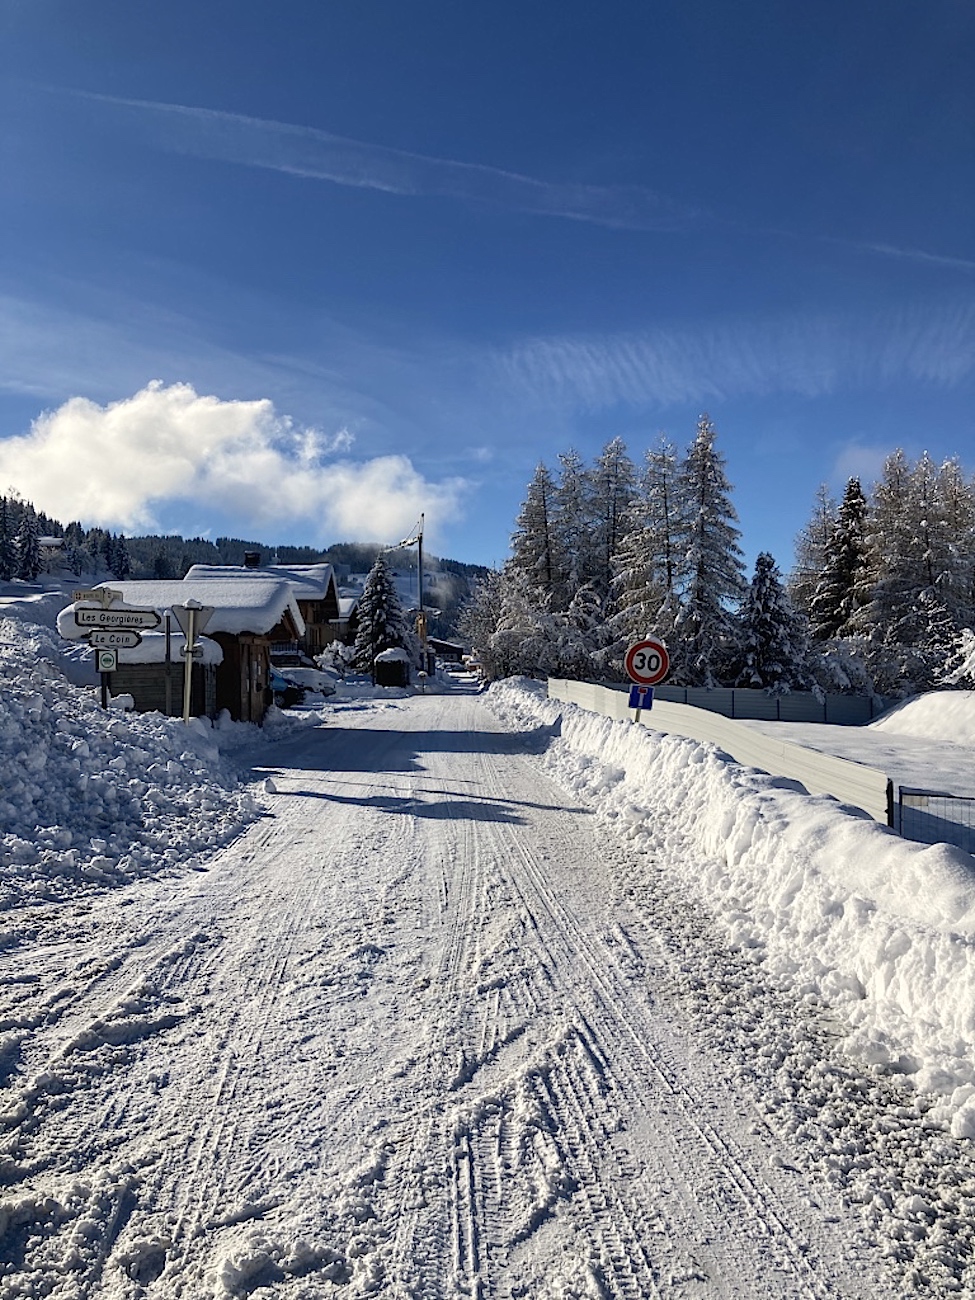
418, 1033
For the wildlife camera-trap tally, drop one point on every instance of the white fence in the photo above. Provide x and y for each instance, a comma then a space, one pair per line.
851, 783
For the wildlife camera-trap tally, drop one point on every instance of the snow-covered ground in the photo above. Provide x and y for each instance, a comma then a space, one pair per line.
453, 995
926, 742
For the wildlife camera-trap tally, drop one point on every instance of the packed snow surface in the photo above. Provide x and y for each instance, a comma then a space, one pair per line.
452, 995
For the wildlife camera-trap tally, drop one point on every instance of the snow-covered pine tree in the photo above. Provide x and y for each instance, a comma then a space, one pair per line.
120, 565
534, 544
711, 575
664, 515
478, 620
637, 592
382, 622
8, 551
956, 496
582, 637
959, 667
525, 637
574, 527
28, 545
613, 487
775, 642
810, 550
840, 589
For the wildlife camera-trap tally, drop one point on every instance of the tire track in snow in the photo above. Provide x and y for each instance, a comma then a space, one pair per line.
709, 1171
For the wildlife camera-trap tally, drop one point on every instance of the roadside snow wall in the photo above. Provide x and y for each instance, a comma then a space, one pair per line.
882, 929
855, 783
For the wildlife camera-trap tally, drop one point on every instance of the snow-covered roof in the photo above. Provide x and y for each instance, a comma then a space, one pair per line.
396, 655
253, 604
347, 605
308, 581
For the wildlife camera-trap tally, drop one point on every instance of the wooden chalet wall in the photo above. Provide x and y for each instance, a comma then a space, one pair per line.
243, 680
146, 683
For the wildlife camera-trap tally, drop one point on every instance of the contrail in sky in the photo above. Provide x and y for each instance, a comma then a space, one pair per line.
307, 151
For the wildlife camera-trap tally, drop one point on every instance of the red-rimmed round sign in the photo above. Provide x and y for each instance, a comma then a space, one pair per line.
647, 662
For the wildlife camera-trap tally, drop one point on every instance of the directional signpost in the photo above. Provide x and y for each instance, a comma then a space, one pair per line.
647, 663
110, 629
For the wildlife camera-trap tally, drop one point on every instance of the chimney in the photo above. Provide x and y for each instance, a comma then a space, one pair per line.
252, 559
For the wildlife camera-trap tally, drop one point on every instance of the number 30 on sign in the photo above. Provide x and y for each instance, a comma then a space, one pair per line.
647, 662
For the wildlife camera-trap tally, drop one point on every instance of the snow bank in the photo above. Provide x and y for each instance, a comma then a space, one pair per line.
90, 798
835, 904
938, 715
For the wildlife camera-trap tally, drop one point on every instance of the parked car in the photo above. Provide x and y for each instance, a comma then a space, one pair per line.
286, 693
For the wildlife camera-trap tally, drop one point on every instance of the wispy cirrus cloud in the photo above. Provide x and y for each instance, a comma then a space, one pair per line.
320, 155
808, 356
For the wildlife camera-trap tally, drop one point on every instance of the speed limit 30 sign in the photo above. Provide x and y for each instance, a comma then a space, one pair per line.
647, 662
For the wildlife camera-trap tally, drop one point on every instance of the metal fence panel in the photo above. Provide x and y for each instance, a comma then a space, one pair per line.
935, 817
848, 710
801, 706
755, 704
795, 706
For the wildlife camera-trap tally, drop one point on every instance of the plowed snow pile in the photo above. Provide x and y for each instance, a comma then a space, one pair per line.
95, 798
939, 715
882, 929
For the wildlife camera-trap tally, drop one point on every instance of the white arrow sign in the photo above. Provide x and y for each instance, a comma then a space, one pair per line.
121, 639
116, 617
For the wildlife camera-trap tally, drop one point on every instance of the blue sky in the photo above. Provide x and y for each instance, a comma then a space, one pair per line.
299, 271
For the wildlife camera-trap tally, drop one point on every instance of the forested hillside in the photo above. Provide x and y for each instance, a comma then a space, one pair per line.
90, 553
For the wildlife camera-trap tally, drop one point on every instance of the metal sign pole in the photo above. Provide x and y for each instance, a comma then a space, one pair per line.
188, 670
169, 666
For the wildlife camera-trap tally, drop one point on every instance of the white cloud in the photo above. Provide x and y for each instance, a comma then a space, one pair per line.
114, 465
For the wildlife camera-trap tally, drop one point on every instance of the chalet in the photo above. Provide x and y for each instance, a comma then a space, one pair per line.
316, 595
348, 618
249, 614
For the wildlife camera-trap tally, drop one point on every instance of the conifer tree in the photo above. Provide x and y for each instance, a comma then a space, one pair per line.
711, 573
810, 549
574, 527
774, 640
840, 589
119, 562
637, 591
382, 622
664, 519
28, 545
8, 551
534, 542
479, 617
583, 636
613, 489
